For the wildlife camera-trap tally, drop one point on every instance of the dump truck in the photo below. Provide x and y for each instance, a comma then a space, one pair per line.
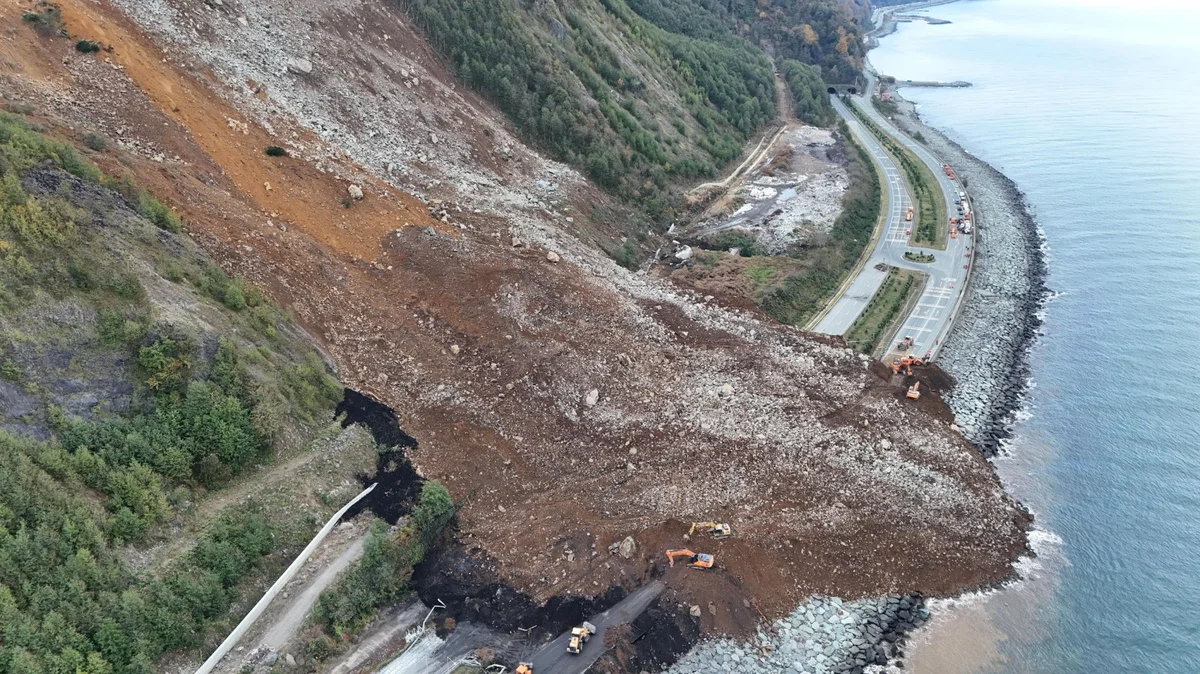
579, 637
524, 668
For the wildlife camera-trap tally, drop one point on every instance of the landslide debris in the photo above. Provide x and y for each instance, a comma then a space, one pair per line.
488, 351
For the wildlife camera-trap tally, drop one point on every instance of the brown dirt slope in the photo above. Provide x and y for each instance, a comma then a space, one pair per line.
488, 351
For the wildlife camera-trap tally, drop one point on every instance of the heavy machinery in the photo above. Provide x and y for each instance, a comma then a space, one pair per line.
948, 171
914, 391
906, 364
718, 530
908, 216
696, 560
524, 668
905, 344
579, 637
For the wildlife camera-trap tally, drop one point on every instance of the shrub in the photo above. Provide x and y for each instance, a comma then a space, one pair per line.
627, 255
95, 141
234, 297
87, 47
275, 151
157, 212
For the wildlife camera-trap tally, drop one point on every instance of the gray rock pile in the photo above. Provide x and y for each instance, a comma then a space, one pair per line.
823, 636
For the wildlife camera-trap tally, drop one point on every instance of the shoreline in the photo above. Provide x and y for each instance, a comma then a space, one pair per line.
987, 350
991, 285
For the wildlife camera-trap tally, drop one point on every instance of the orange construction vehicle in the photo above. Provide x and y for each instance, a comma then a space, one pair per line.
524, 668
906, 364
953, 230
948, 171
696, 560
914, 391
908, 216
905, 344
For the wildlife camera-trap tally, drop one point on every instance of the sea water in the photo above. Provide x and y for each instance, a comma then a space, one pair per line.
1093, 108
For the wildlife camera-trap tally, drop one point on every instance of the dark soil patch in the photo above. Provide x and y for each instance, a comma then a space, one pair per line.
398, 483
465, 580
656, 639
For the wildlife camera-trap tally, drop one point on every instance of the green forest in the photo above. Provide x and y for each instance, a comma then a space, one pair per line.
574, 82
77, 490
810, 95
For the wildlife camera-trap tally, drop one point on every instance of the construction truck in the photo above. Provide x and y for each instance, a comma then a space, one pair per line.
579, 637
696, 560
905, 344
914, 391
524, 668
906, 364
908, 216
718, 530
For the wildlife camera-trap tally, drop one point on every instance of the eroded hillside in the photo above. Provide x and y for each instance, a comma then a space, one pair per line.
574, 402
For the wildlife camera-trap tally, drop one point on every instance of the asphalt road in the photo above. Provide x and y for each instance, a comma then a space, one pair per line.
931, 318
553, 657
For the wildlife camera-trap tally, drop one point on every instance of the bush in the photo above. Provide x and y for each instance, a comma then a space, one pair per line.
87, 47
627, 255
234, 298
95, 141
275, 151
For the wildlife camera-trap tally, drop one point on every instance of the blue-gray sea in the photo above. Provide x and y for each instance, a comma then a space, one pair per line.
1093, 108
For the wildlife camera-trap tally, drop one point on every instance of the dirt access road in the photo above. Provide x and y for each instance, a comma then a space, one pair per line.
553, 657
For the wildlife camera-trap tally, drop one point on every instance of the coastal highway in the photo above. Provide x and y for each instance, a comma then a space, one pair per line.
850, 304
930, 319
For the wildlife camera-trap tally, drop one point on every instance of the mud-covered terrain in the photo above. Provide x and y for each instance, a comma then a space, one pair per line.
571, 402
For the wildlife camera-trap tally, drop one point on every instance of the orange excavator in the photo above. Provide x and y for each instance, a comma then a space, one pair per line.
914, 391
696, 560
906, 364
524, 668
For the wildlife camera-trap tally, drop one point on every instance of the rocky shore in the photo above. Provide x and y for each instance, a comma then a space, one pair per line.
986, 352
823, 636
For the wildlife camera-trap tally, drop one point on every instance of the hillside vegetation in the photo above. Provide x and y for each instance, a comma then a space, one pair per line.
136, 376
599, 86
641, 94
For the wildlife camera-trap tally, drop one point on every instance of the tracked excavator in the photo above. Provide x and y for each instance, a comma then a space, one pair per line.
906, 364
524, 668
718, 530
696, 560
914, 391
